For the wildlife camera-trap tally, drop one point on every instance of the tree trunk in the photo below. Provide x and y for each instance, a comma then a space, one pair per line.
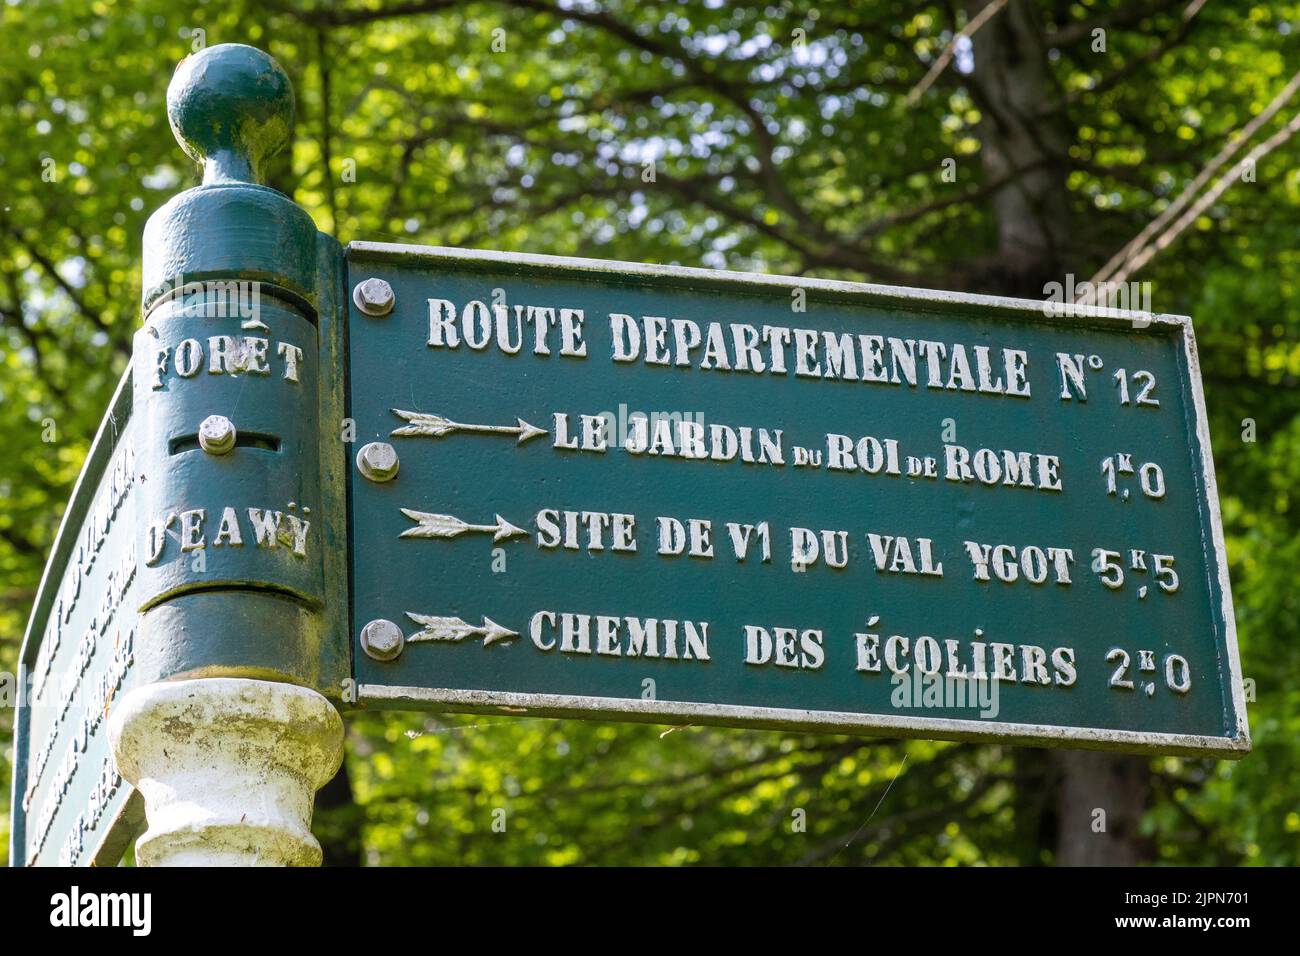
1101, 798
1024, 140
338, 821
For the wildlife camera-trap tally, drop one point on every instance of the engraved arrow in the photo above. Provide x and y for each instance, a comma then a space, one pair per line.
449, 526
435, 426
454, 629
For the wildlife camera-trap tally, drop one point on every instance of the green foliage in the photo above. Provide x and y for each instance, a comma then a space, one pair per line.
779, 140
546, 792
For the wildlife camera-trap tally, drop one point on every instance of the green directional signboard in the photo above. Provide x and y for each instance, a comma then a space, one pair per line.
71, 806
601, 489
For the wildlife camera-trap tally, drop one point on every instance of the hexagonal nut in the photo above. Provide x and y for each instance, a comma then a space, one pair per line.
382, 639
378, 461
217, 435
373, 297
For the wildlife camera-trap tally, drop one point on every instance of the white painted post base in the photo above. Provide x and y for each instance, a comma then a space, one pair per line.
228, 768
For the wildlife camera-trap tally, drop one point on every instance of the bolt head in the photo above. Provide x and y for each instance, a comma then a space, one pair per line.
378, 461
373, 297
217, 434
382, 639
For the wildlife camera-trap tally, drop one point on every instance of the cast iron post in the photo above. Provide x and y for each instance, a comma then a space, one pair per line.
231, 732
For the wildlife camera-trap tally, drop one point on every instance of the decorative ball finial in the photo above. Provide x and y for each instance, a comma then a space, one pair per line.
231, 108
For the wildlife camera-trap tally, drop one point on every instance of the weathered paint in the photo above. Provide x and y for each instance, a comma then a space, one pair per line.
69, 806
227, 768
430, 400
240, 295
320, 367
236, 555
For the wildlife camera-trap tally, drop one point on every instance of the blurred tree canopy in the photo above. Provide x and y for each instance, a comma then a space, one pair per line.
783, 137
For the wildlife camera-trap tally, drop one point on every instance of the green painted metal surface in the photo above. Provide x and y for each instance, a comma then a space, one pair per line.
235, 548
240, 298
240, 520
315, 473
1145, 665
70, 807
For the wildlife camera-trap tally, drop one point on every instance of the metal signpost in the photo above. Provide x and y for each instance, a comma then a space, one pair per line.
395, 476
